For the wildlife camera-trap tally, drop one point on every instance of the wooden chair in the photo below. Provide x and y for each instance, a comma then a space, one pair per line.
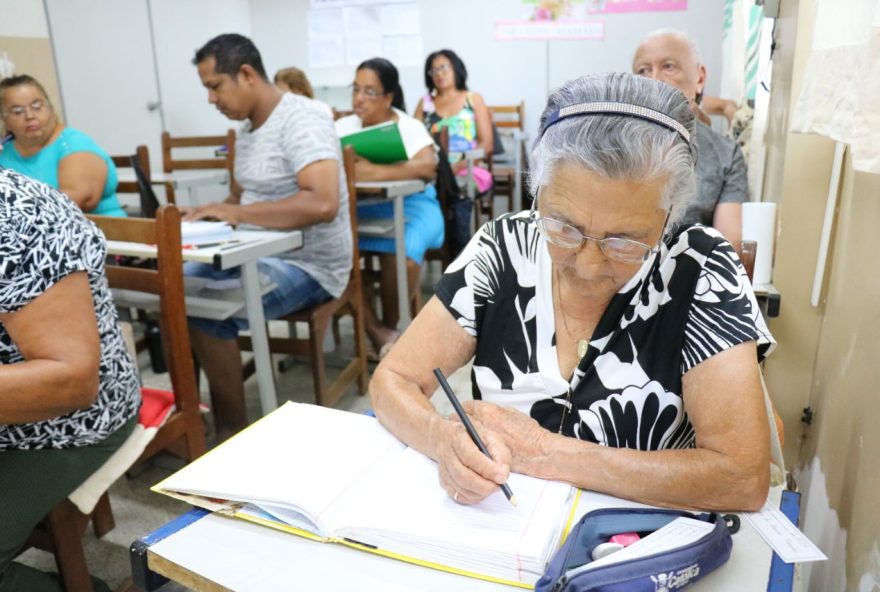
183, 433
226, 161
447, 193
507, 118
141, 159
320, 318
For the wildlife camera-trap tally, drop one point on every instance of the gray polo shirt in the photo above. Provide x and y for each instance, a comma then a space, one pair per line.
298, 133
721, 175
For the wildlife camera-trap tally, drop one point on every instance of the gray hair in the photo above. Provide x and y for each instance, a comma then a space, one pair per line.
620, 146
681, 36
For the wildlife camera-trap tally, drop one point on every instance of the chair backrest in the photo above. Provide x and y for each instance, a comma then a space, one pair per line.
139, 162
142, 155
508, 116
225, 161
348, 159
166, 281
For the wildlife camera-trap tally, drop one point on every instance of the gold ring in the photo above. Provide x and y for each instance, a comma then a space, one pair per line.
455, 496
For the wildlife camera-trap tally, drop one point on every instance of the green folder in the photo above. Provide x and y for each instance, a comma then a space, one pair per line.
380, 144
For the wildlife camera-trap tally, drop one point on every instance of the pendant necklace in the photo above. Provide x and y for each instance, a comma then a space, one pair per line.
581, 344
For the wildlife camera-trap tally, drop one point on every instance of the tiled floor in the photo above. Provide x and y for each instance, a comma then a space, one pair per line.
138, 511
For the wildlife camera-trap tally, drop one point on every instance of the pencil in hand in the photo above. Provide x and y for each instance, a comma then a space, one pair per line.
472, 432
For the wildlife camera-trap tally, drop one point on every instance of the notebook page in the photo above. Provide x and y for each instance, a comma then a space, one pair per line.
300, 456
400, 507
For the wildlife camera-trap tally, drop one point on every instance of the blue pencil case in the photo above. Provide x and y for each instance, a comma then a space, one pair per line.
672, 569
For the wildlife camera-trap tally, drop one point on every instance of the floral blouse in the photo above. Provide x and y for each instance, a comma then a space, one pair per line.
686, 303
45, 237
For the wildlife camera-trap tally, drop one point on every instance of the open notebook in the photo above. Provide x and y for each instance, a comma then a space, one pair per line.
340, 477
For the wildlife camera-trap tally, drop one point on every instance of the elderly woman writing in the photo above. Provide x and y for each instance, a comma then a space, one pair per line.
612, 349
45, 149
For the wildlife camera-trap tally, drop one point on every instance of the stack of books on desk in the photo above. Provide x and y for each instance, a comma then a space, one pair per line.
339, 477
203, 232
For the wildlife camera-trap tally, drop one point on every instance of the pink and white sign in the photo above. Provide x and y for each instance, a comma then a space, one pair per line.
542, 30
618, 6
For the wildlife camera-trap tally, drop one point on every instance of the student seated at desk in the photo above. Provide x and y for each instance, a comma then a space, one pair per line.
450, 104
376, 97
612, 348
294, 80
45, 149
288, 175
69, 394
722, 178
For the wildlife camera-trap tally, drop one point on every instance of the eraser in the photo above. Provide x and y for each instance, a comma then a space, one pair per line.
605, 549
625, 538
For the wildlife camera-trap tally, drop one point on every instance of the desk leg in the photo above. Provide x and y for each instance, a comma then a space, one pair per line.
250, 279
400, 261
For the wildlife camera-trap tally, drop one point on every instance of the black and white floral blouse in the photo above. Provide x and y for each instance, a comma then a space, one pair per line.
690, 301
43, 238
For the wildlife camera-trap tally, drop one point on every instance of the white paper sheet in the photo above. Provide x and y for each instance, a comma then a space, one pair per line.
361, 21
325, 23
326, 52
362, 48
403, 50
400, 19
785, 538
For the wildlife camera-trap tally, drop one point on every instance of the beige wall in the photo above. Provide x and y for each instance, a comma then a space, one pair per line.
33, 55
828, 357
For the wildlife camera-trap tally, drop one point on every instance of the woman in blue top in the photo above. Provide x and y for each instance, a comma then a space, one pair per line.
44, 149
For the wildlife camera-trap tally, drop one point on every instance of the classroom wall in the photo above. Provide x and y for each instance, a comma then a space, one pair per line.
827, 356
504, 72
24, 38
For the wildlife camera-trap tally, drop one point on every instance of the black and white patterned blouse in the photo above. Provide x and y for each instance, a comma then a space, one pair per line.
690, 301
45, 237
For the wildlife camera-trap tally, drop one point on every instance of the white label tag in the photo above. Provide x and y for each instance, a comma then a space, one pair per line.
783, 537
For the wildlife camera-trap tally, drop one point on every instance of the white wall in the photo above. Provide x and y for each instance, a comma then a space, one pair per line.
504, 72
23, 18
179, 29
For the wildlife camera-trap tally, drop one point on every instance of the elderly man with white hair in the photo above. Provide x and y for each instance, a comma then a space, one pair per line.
722, 185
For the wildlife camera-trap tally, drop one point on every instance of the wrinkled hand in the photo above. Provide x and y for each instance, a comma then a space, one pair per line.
522, 436
466, 474
225, 212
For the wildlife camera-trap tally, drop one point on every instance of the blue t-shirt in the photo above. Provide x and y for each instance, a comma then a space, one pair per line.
43, 166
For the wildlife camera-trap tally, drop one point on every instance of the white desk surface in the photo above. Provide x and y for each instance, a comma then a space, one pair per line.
252, 244
186, 179
238, 555
389, 189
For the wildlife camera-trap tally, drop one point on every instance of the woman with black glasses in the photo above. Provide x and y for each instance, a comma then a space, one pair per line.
376, 98
612, 349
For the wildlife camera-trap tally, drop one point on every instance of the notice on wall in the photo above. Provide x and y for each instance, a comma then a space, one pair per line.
613, 6
347, 32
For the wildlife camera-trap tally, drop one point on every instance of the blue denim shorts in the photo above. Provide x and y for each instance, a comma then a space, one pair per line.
294, 290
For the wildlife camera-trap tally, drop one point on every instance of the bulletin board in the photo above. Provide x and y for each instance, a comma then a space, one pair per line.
33, 56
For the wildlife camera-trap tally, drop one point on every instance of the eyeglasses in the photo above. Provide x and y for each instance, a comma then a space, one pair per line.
438, 69
567, 236
370, 93
20, 111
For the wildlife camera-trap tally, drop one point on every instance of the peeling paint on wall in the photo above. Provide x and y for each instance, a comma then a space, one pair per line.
821, 524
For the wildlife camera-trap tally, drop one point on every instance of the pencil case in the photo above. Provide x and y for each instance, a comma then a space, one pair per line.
674, 568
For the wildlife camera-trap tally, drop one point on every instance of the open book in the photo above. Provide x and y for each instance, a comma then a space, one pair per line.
381, 144
341, 477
